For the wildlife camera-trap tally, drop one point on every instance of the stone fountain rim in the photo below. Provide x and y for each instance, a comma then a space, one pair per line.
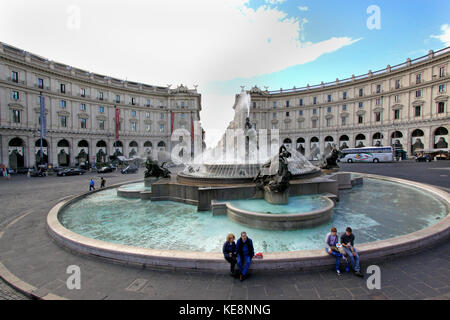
292, 260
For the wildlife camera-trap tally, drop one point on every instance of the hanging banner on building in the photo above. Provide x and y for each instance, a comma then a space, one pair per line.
171, 122
38, 149
19, 150
117, 124
43, 118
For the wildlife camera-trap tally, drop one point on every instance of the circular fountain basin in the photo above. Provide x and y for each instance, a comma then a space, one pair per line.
389, 217
133, 190
301, 212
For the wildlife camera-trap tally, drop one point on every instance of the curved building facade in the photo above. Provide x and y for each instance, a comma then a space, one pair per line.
80, 113
404, 105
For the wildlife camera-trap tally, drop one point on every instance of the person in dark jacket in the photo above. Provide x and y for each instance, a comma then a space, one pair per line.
102, 183
348, 242
229, 251
245, 254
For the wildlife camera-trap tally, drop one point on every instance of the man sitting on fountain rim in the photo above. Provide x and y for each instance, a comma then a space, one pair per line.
245, 254
331, 242
348, 242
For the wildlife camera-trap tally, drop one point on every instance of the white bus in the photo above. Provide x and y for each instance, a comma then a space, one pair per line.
368, 154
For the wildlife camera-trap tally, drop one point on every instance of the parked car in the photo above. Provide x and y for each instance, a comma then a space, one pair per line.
105, 169
129, 169
37, 173
71, 172
424, 158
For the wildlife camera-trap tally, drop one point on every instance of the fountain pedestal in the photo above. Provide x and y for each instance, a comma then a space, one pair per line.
149, 181
276, 197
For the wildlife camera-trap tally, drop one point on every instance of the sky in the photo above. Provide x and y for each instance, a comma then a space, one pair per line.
221, 45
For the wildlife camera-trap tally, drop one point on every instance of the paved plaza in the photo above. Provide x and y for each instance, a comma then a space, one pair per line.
31, 255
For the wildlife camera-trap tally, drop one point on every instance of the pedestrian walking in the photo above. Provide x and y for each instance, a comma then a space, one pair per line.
91, 185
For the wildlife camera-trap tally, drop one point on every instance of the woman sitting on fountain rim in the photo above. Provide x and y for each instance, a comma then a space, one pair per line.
245, 254
229, 251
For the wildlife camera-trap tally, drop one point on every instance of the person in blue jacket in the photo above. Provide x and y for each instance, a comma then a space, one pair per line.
245, 254
229, 251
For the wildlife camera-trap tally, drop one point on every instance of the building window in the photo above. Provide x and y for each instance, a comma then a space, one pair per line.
133, 126
442, 72
101, 109
287, 114
314, 123
344, 95
361, 92
315, 100
314, 111
328, 122
83, 123
117, 99
101, 124
63, 104
378, 101
301, 102
344, 107
344, 121
418, 78
161, 128
15, 95
274, 104
147, 114
417, 111
63, 121
360, 119
361, 104
63, 88
441, 107
287, 103
300, 112
182, 104
82, 107
378, 88
148, 127
161, 116
274, 115
377, 116
397, 84
418, 93
329, 98
397, 98
100, 96
16, 116
148, 103
133, 101
83, 92
15, 77
441, 88
329, 109
40, 83
182, 115
397, 114
133, 113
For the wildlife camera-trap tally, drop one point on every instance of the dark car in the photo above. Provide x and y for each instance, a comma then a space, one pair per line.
105, 170
37, 173
129, 169
71, 172
426, 158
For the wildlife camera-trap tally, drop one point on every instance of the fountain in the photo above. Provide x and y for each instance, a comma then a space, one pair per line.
280, 198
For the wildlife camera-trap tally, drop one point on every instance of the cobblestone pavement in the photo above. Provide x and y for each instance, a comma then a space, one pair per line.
28, 252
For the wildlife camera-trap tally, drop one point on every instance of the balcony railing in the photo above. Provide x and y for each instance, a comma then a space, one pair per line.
365, 76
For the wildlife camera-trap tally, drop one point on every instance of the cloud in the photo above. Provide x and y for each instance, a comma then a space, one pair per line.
444, 37
302, 8
166, 42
